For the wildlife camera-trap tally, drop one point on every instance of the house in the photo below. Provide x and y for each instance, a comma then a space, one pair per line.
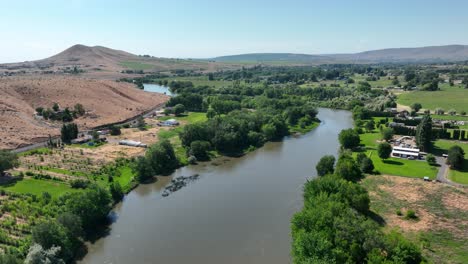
404, 152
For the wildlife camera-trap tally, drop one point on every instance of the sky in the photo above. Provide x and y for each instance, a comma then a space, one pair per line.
203, 29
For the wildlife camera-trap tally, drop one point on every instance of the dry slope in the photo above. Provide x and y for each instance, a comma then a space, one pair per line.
105, 102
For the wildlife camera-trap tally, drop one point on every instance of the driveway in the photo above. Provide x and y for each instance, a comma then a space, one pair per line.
443, 172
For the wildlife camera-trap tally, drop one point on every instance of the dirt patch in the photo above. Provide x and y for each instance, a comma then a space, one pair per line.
457, 200
406, 189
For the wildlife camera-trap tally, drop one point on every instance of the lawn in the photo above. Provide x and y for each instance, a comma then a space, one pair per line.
447, 98
37, 187
442, 146
396, 166
135, 65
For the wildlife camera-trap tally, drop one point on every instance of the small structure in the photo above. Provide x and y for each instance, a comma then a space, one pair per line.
82, 140
169, 122
395, 124
403, 152
132, 143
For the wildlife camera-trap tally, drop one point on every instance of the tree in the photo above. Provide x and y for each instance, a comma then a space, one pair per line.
179, 109
79, 109
200, 149
51, 234
115, 130
370, 125
141, 124
92, 206
69, 132
95, 135
349, 138
463, 113
416, 107
38, 255
162, 158
384, 150
347, 168
8, 160
452, 112
325, 165
431, 159
387, 133
365, 164
210, 113
424, 133
116, 191
455, 158
144, 170
55, 107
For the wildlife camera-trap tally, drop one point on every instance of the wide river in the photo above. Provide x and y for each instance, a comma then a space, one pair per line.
239, 210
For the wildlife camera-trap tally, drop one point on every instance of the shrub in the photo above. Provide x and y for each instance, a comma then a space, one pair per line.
79, 184
411, 214
398, 212
431, 159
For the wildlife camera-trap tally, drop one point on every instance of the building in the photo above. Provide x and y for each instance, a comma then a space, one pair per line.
169, 122
402, 152
132, 143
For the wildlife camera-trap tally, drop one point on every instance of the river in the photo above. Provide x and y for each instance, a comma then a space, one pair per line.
238, 211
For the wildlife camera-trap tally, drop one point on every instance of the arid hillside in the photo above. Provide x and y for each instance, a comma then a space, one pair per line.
104, 102
99, 62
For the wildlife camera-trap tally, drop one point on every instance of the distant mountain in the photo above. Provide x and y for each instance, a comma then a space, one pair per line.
449, 53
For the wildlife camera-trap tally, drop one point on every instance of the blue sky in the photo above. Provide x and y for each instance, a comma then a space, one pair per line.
181, 28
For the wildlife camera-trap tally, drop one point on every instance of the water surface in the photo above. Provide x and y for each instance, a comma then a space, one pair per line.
239, 210
156, 88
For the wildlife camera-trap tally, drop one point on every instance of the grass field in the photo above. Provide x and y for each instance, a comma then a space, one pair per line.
135, 65
440, 229
447, 98
460, 176
37, 187
396, 166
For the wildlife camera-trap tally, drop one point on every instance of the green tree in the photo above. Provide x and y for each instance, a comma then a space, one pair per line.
365, 164
384, 150
431, 159
455, 158
200, 149
116, 191
55, 107
424, 133
51, 234
387, 133
141, 123
416, 107
370, 125
210, 113
8, 160
325, 165
347, 168
179, 109
115, 130
69, 132
349, 138
162, 158
144, 170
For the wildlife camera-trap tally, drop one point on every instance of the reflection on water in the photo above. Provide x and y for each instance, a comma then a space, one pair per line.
239, 210
155, 88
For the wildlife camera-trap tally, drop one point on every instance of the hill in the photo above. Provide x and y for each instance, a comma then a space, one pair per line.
104, 101
449, 53
104, 63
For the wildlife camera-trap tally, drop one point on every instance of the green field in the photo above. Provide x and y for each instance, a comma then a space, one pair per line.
447, 98
135, 65
396, 166
37, 187
442, 146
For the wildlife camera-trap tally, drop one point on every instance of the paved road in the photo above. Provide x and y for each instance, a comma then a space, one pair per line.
443, 172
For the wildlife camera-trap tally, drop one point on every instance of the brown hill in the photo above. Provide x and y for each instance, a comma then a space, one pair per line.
105, 102
104, 63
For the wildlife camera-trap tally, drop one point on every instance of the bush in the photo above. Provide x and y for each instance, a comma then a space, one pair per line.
431, 159
398, 212
199, 149
79, 184
455, 157
325, 165
411, 214
349, 138
115, 131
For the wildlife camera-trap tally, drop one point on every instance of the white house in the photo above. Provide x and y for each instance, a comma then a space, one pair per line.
402, 152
